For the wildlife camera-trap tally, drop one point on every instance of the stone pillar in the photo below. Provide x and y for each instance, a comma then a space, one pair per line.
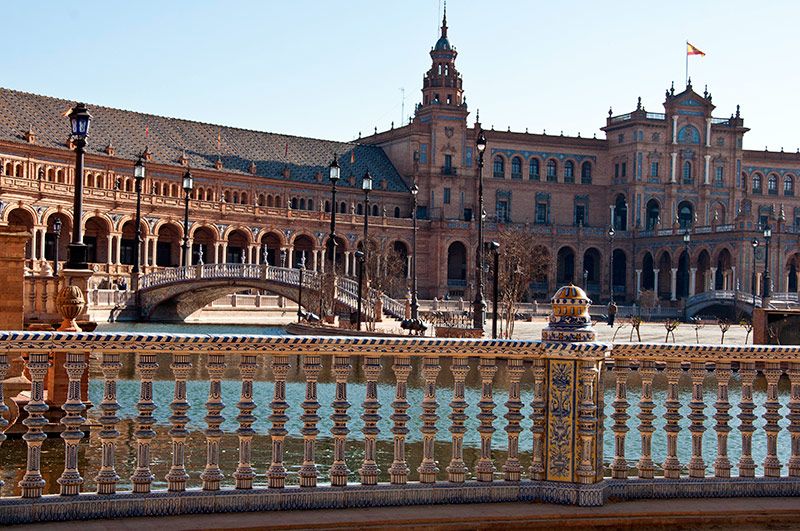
223, 251
118, 257
290, 257
655, 281
674, 128
12, 269
672, 163
109, 249
638, 282
314, 255
572, 453
673, 284
408, 267
708, 132
732, 281
347, 263
706, 169
42, 234
692, 280
712, 279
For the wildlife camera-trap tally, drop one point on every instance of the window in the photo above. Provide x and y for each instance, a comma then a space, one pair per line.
616, 170
756, 183
501, 210
580, 216
423, 153
772, 184
448, 164
654, 169
624, 169
541, 213
551, 171
621, 138
688, 135
586, 173
467, 214
499, 167
719, 174
446, 196
397, 212
569, 172
687, 172
516, 168
788, 185
533, 171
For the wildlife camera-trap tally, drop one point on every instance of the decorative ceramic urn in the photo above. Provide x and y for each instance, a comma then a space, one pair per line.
569, 320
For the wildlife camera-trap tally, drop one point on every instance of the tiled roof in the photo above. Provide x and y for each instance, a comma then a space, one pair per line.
168, 139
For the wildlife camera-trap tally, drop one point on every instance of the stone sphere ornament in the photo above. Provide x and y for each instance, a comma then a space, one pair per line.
569, 320
70, 304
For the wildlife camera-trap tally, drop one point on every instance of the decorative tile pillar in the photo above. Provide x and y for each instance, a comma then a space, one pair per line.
573, 459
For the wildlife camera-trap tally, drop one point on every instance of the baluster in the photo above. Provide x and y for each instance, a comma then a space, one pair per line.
212, 475
722, 464
142, 477
794, 418
278, 432
457, 470
697, 467
177, 476
369, 469
308, 471
4, 366
339, 471
512, 469
539, 406
772, 465
427, 468
107, 477
619, 467
33, 483
587, 422
398, 472
672, 467
647, 371
747, 373
484, 470
245, 474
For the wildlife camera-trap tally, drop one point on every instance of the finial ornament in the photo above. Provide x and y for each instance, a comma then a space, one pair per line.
705, 92
672, 89
610, 112
639, 103
737, 111
689, 83
444, 21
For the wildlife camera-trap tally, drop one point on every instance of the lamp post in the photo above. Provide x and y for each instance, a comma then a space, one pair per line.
479, 305
611, 264
57, 233
360, 259
687, 239
300, 289
188, 184
495, 247
586, 281
80, 119
366, 185
767, 238
138, 175
334, 173
753, 276
414, 300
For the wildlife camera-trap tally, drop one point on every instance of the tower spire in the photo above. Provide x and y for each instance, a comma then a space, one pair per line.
444, 21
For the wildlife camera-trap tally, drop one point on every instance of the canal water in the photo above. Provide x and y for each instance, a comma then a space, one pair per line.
13, 451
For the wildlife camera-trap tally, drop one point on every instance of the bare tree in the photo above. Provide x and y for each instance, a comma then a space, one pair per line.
698, 324
747, 324
724, 326
671, 325
636, 322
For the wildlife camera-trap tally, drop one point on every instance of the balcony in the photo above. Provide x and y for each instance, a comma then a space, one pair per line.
449, 170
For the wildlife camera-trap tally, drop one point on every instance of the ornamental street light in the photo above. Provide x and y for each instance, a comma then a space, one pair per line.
188, 185
767, 280
360, 258
300, 289
80, 119
334, 174
495, 248
479, 305
753, 276
611, 256
586, 280
57, 234
687, 239
138, 175
366, 185
414, 300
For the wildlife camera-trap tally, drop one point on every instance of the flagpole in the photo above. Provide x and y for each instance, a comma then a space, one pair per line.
686, 51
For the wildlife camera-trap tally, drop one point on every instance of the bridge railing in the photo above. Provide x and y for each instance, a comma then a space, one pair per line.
659, 424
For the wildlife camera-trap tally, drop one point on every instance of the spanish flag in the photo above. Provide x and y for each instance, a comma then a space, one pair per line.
694, 50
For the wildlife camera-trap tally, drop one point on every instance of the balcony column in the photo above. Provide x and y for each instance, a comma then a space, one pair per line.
706, 170
314, 257
42, 240
109, 248
673, 284
712, 279
118, 257
672, 163
708, 132
347, 263
732, 279
692, 281
674, 128
290, 257
655, 281
408, 267
638, 282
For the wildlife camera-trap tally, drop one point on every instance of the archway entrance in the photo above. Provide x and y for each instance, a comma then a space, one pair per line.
565, 266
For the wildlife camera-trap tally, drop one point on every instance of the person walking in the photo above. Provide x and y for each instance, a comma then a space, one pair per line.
612, 312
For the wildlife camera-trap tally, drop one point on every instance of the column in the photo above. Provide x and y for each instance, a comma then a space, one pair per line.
42, 234
314, 253
732, 276
109, 249
347, 263
673, 161
706, 177
673, 284
692, 280
118, 258
655, 281
146, 252
290, 257
674, 128
712, 279
638, 282
408, 267
708, 132
223, 251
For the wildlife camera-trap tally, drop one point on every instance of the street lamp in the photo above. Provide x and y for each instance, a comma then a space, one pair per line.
80, 119
300, 289
366, 185
414, 300
57, 233
767, 238
687, 239
586, 281
138, 175
753, 276
360, 259
188, 184
611, 265
334, 173
495, 247
479, 305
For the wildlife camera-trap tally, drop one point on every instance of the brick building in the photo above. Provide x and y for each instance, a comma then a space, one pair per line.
656, 177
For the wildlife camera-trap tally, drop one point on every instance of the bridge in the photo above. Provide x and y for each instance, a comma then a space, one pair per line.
742, 301
177, 292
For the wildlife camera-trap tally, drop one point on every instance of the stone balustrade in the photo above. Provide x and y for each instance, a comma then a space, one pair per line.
497, 420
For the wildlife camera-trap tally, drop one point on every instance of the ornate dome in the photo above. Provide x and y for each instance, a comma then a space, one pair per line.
442, 44
570, 320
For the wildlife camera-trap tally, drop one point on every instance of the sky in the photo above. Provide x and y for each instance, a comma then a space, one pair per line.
330, 70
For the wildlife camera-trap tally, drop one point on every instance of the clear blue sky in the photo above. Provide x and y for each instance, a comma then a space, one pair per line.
331, 69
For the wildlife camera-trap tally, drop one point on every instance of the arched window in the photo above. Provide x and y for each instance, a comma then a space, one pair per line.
569, 172
261, 200
653, 215
311, 204
516, 168
243, 198
327, 206
302, 204
586, 173
499, 167
227, 196
397, 212
271, 203
756, 183
688, 135
685, 215
293, 203
343, 208
772, 184
552, 169
533, 172
687, 172
375, 210
788, 185
360, 209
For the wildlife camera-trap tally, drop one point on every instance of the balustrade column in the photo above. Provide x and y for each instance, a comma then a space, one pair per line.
4, 366
107, 477
347, 263
656, 272
484, 470
722, 464
308, 471
142, 477
672, 467
399, 470
71, 479
772, 465
587, 422
278, 432
673, 284
177, 476
794, 418
245, 474
427, 468
539, 417
512, 468
697, 467
647, 371
33, 483
212, 475
619, 467
339, 471
369, 469
457, 470
747, 374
